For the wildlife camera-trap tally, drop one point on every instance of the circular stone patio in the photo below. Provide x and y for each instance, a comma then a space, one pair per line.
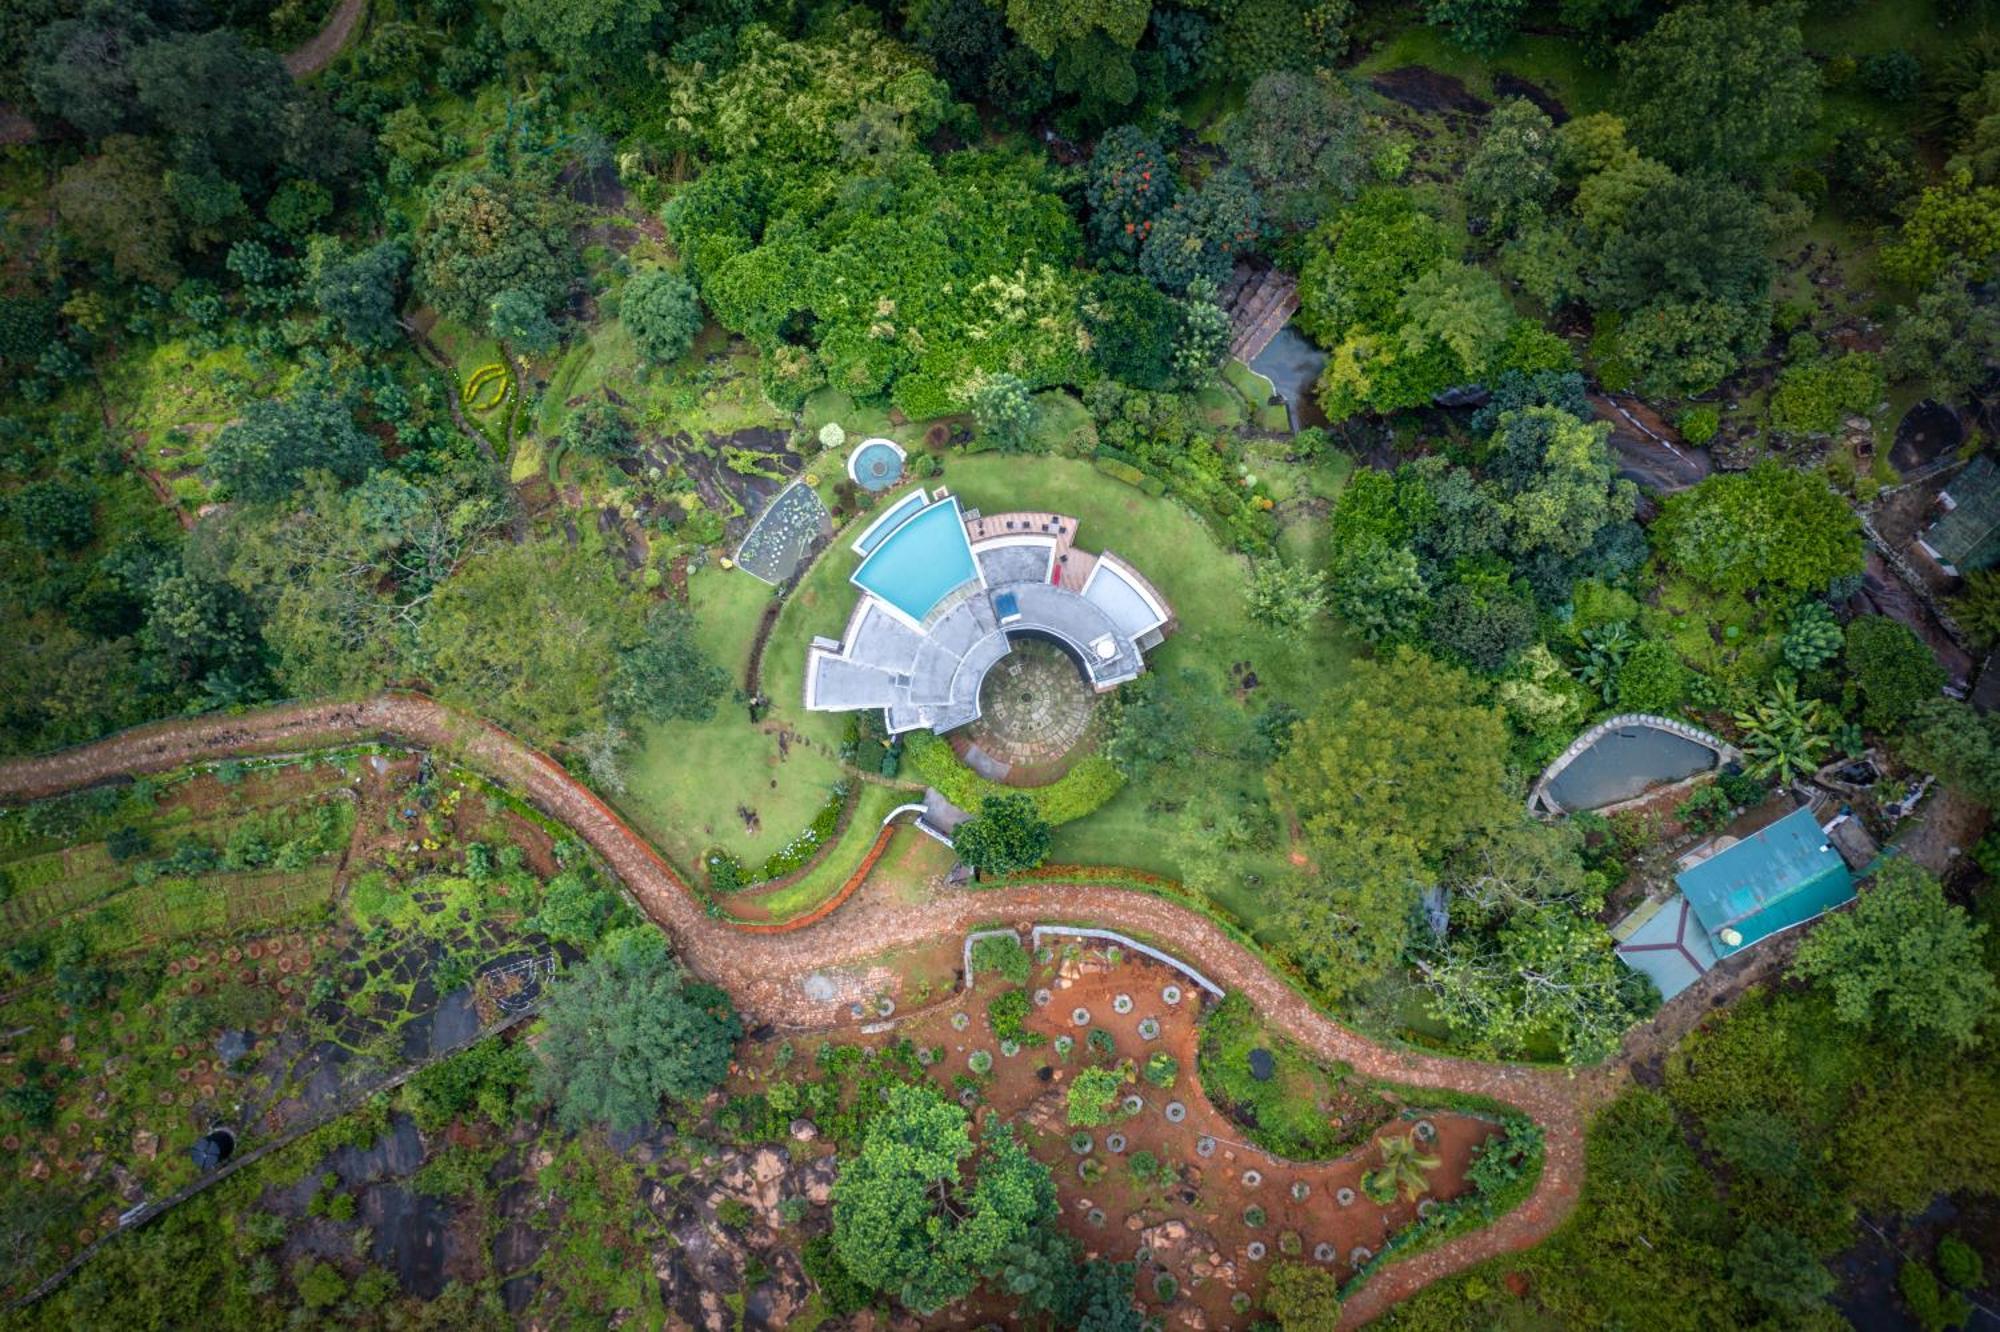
1035, 714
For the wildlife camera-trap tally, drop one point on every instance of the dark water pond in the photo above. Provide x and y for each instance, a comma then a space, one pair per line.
1627, 762
1292, 365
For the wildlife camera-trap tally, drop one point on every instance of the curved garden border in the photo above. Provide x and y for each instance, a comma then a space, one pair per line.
762, 967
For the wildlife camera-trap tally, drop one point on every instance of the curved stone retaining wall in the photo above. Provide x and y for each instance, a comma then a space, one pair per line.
1544, 805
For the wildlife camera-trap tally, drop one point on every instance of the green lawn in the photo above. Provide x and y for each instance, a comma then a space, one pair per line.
688, 780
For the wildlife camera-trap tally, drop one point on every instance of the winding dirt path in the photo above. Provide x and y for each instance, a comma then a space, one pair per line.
766, 971
308, 59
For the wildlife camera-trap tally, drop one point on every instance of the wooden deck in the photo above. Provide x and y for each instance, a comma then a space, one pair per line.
1075, 565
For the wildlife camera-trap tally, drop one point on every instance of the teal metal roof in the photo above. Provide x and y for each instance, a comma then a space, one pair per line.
1665, 941
1781, 876
1968, 538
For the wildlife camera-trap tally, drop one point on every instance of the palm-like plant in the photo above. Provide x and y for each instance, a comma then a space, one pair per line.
1604, 652
1782, 736
1404, 1170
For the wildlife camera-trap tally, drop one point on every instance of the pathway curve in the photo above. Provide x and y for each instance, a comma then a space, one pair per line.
765, 971
317, 53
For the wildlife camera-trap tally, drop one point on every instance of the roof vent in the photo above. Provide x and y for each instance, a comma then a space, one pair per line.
1731, 937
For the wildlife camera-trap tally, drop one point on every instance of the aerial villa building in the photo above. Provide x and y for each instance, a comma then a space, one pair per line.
945, 592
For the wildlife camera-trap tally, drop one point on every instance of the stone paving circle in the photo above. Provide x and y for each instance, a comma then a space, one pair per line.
1034, 706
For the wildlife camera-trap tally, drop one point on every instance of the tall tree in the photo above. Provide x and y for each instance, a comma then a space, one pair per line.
903, 1221
1721, 84
1772, 526
481, 237
1904, 963
1006, 835
1401, 752
266, 455
627, 1030
580, 36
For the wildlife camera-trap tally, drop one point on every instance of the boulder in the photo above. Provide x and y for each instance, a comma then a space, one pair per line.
804, 1130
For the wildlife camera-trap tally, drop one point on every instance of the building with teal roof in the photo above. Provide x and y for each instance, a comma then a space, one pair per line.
1784, 874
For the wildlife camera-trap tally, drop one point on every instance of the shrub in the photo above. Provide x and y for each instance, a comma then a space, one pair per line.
1162, 1070
662, 312
1002, 954
1093, 1097
1699, 424
1081, 790
1007, 1014
1652, 679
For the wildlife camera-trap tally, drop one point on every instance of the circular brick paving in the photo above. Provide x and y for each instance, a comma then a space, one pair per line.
1034, 708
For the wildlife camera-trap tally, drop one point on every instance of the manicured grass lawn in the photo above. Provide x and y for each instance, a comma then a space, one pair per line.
833, 870
687, 780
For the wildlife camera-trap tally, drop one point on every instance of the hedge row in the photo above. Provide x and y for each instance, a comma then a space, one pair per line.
1076, 793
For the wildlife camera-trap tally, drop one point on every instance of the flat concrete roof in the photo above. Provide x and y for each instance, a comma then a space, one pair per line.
923, 664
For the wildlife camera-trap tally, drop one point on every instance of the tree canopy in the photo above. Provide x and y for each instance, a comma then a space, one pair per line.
627, 1030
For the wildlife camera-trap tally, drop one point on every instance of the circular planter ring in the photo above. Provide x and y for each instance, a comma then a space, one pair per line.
1360, 1254
1425, 1131
1082, 1144
1170, 994
1325, 1253
1095, 1216
961, 1020
1345, 1197
1121, 1004
1115, 1143
1043, 997
1256, 1250
1008, 1049
1176, 1112
1079, 1017
1132, 1105
1301, 1190
1204, 1146
1149, 1029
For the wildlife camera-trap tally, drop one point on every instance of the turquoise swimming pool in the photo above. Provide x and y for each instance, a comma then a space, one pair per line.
915, 565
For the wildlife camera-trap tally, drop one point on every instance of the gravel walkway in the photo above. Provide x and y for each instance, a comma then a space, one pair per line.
766, 972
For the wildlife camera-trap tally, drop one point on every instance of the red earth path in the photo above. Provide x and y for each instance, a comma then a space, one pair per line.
765, 970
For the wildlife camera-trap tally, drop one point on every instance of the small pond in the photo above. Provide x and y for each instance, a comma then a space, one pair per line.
1625, 763
876, 465
1292, 365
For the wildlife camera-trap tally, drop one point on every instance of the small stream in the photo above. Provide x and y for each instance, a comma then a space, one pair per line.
1292, 365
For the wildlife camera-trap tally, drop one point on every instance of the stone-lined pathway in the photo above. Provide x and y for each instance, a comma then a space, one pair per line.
765, 972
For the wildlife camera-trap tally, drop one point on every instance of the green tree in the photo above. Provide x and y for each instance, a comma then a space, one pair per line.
360, 291
55, 515
626, 1030
1379, 591
1131, 183
517, 319
1547, 974
1947, 341
1202, 233
1772, 525
598, 429
903, 1222
1093, 1096
1004, 410
1006, 836
663, 313
1720, 84
112, 203
1688, 239
1290, 598
1783, 736
1359, 263
1402, 752
1904, 964
1977, 606
481, 237
1779, 1269
584, 36
265, 456
1512, 173
1303, 1298
1302, 138
1951, 223
1893, 668
218, 99
666, 676
529, 634
1958, 744
1812, 638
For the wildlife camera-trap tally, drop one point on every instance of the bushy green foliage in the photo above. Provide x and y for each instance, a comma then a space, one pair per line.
1007, 835
1814, 397
1720, 84
1085, 787
1003, 955
663, 313
484, 236
1893, 668
1772, 525
1094, 1095
627, 1030
265, 456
